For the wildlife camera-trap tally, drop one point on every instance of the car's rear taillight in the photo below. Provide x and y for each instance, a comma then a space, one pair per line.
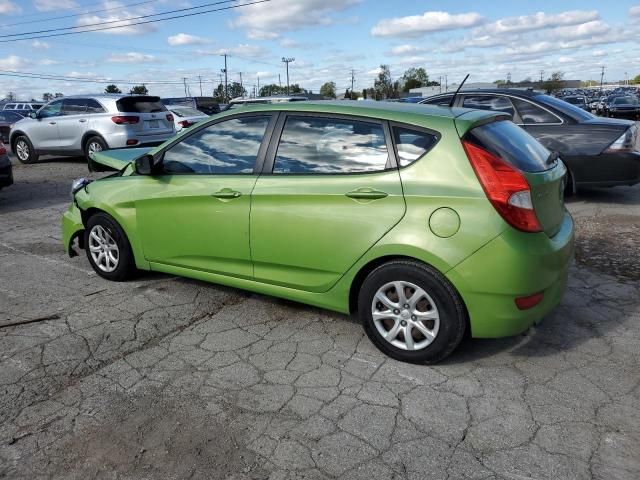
506, 188
530, 301
169, 117
3, 150
185, 123
125, 119
627, 142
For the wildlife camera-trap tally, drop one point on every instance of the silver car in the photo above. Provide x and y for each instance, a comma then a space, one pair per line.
81, 125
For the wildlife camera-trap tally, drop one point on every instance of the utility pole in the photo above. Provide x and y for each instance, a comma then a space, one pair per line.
508, 79
258, 89
287, 60
200, 79
240, 80
184, 80
626, 78
279, 81
541, 76
601, 78
440, 82
352, 80
446, 84
226, 90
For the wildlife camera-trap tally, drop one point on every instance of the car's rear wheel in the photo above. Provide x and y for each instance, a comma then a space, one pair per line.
108, 248
411, 312
23, 148
93, 145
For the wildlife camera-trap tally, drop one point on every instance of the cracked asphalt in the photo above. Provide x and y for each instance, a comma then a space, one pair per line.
170, 378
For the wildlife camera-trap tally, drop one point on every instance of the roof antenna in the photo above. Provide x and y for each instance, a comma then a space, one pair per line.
453, 99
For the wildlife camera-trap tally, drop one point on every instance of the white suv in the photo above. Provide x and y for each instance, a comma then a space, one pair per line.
81, 125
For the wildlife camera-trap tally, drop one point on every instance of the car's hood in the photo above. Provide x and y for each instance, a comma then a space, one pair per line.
119, 158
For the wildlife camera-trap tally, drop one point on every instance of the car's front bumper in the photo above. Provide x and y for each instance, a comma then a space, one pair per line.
6, 171
515, 264
72, 227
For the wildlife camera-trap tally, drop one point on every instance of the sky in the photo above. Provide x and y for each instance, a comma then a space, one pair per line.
329, 39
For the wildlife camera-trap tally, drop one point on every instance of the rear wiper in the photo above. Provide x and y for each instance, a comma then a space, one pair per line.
552, 158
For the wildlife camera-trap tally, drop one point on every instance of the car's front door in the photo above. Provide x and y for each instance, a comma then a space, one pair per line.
330, 191
43, 131
195, 214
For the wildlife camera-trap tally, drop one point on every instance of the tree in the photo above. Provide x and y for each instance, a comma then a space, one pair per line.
328, 90
414, 78
383, 85
58, 95
271, 89
554, 82
112, 89
47, 97
236, 90
636, 79
11, 96
139, 90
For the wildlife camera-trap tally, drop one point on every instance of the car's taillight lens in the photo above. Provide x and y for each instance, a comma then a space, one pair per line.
627, 142
169, 117
185, 123
3, 150
530, 301
506, 188
125, 119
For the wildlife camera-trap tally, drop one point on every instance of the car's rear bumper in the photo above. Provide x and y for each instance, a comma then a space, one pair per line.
119, 140
6, 172
606, 169
515, 264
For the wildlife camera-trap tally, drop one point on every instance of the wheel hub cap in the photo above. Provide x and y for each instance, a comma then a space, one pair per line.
104, 249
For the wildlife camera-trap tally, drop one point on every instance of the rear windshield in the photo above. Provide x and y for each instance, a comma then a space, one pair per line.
187, 112
512, 144
140, 105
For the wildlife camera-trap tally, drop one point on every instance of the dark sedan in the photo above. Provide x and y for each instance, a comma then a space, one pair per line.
6, 173
7, 119
622, 107
599, 152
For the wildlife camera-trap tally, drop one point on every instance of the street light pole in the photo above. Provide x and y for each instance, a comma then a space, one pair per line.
226, 91
287, 60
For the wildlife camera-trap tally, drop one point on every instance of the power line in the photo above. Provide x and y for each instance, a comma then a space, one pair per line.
63, 78
9, 25
231, 7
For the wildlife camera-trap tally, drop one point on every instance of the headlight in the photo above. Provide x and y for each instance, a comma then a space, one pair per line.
79, 184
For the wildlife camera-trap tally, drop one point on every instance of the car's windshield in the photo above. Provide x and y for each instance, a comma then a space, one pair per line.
564, 107
625, 100
186, 112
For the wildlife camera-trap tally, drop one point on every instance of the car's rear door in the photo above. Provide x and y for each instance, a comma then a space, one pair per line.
72, 124
195, 214
330, 191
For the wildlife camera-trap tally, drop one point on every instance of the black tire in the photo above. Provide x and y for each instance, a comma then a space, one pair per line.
98, 142
125, 267
570, 187
452, 313
21, 142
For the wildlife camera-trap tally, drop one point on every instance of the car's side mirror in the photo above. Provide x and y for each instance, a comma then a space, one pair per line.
147, 165
33, 115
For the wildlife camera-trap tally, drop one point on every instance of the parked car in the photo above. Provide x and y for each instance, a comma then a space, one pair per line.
623, 107
208, 105
83, 125
241, 101
185, 117
7, 119
428, 222
6, 172
23, 108
599, 152
411, 99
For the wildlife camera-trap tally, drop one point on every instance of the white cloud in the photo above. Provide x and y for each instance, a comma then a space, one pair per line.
132, 57
40, 45
289, 43
185, 39
48, 62
587, 29
119, 16
50, 5
7, 7
14, 62
419, 25
540, 20
634, 11
404, 50
599, 53
264, 19
241, 50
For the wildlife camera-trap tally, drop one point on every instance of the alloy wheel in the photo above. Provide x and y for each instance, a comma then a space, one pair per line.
94, 147
22, 150
104, 249
405, 315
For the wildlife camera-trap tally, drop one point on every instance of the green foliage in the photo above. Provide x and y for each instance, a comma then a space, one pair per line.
112, 89
554, 82
139, 90
636, 79
47, 97
328, 90
383, 85
236, 90
414, 78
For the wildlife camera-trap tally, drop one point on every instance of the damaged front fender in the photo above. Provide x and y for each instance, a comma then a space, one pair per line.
72, 228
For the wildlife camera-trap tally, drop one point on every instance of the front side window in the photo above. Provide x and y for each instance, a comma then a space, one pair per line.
74, 106
530, 113
495, 103
330, 145
51, 110
412, 144
225, 148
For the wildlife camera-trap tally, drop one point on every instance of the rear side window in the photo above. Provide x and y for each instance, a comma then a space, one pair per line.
489, 102
412, 144
331, 145
530, 113
512, 144
93, 106
140, 104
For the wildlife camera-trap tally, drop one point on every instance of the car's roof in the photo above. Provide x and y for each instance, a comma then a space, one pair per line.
110, 96
504, 91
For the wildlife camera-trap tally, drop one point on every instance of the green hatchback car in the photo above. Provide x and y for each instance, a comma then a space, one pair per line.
428, 222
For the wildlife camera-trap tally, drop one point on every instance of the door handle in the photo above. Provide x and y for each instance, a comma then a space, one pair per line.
227, 193
82, 120
366, 193
52, 123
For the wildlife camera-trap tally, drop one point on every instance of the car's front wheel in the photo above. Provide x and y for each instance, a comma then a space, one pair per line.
411, 312
108, 248
23, 148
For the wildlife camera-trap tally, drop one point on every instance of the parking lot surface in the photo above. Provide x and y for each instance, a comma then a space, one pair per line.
171, 378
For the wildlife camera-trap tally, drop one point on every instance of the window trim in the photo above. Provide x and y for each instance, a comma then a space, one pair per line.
514, 117
269, 163
257, 166
417, 128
